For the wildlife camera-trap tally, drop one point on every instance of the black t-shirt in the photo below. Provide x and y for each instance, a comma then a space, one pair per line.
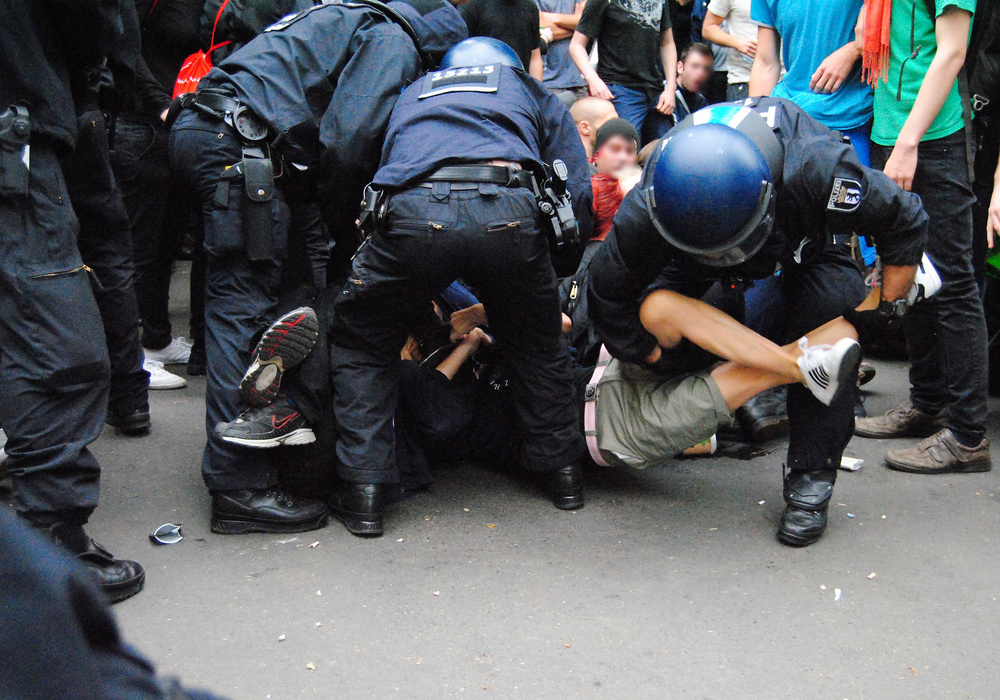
628, 34
514, 22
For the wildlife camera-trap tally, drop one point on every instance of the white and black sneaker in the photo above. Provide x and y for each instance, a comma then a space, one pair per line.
281, 423
285, 344
827, 369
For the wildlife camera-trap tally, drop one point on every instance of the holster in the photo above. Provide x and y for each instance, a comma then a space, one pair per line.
373, 209
258, 180
15, 133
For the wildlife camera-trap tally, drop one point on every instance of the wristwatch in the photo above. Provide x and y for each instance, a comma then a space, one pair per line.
893, 309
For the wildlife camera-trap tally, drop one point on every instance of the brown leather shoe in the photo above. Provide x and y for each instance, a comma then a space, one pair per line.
902, 421
941, 453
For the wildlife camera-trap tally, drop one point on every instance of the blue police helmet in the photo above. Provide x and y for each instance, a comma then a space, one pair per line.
712, 189
480, 51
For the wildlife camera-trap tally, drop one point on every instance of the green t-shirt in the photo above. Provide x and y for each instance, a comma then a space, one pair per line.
890, 113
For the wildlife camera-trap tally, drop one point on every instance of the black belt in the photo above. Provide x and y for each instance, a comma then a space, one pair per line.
473, 175
216, 103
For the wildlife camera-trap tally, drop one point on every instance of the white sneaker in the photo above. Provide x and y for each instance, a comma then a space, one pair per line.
827, 369
160, 378
177, 353
3, 452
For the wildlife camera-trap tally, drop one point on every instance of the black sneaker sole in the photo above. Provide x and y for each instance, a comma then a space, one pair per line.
848, 377
229, 525
284, 345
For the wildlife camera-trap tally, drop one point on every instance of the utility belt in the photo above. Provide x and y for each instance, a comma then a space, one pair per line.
256, 168
553, 199
15, 152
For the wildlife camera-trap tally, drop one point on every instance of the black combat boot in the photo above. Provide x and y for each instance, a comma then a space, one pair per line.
273, 510
808, 497
565, 486
765, 416
134, 423
360, 507
118, 578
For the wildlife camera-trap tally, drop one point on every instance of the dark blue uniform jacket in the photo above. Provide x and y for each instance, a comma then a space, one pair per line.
521, 121
818, 167
326, 78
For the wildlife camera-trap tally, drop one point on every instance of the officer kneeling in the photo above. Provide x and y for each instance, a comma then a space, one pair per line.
744, 191
464, 150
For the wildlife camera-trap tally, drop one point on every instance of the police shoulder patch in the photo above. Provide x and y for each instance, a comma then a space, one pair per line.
474, 79
845, 196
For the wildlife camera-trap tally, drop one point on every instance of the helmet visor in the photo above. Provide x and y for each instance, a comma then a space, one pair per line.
743, 246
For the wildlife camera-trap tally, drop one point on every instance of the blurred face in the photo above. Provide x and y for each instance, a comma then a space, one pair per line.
618, 153
695, 72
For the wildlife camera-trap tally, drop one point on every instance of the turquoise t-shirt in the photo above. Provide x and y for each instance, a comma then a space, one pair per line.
890, 113
810, 31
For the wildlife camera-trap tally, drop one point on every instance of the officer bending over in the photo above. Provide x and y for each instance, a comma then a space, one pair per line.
317, 83
462, 148
744, 191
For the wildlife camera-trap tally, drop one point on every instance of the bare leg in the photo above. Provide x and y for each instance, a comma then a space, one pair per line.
739, 383
671, 317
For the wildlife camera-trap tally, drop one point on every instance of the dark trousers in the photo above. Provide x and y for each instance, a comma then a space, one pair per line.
241, 296
489, 237
53, 357
106, 247
159, 211
802, 299
946, 334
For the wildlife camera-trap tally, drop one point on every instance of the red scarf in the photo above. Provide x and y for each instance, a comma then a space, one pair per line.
875, 52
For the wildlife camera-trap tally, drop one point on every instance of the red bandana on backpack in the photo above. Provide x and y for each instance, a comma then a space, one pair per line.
875, 51
197, 65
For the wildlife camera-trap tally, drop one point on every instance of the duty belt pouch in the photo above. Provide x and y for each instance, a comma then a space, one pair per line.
15, 132
258, 178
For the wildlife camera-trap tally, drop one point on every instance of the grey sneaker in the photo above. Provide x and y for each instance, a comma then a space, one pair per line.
941, 453
900, 422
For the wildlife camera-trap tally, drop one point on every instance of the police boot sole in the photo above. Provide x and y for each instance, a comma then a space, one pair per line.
573, 502
302, 436
767, 429
117, 592
134, 426
230, 525
957, 468
356, 523
794, 540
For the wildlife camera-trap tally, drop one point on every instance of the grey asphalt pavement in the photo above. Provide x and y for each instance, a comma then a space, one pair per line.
669, 583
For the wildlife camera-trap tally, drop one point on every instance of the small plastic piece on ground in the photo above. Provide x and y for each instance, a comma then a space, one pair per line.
836, 594
167, 533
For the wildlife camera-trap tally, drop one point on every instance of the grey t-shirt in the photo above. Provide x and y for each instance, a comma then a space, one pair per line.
560, 71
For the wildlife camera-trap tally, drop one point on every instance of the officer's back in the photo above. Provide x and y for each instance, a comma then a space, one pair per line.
483, 113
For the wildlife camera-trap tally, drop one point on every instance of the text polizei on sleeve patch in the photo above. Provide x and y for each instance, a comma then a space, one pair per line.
474, 79
845, 195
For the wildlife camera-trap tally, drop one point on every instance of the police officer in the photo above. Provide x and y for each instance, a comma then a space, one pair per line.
463, 147
744, 191
53, 358
319, 83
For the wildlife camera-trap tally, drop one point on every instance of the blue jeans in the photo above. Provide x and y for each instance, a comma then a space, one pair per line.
632, 105
946, 334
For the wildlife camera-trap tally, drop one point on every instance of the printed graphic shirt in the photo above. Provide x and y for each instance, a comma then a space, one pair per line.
629, 33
